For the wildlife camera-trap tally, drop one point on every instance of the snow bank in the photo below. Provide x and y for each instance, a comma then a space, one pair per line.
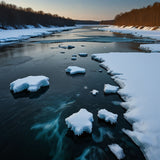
150, 47
117, 151
75, 70
110, 89
107, 116
94, 92
83, 54
145, 32
31, 83
22, 34
80, 122
141, 93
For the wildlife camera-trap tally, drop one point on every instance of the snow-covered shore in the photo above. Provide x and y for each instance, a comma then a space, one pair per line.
150, 47
139, 72
13, 35
138, 32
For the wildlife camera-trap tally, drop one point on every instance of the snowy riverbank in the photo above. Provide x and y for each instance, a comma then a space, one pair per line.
139, 74
13, 35
138, 32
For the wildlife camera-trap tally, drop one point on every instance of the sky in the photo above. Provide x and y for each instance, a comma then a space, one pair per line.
83, 9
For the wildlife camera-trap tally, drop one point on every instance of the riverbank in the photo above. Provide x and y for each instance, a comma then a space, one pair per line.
15, 35
148, 32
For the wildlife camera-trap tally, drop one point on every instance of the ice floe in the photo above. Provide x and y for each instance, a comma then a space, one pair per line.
117, 151
140, 74
94, 92
30, 83
80, 122
83, 54
107, 116
75, 70
110, 89
66, 47
74, 58
150, 47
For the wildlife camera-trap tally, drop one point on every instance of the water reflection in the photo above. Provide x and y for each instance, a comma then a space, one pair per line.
31, 95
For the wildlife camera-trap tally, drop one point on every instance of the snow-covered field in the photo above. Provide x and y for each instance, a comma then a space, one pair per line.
145, 32
139, 72
12, 35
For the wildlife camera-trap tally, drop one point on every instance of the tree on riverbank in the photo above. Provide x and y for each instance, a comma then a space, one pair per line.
147, 16
11, 15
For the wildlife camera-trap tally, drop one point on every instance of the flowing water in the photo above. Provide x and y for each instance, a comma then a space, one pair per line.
32, 125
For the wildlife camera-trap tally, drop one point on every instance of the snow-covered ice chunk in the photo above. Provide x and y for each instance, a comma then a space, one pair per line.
74, 58
31, 83
110, 89
107, 116
80, 122
94, 92
150, 47
74, 55
83, 54
66, 47
117, 151
75, 70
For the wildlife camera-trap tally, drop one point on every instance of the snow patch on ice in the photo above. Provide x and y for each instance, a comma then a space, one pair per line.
80, 122
83, 54
75, 70
66, 47
30, 83
110, 89
117, 151
107, 116
94, 92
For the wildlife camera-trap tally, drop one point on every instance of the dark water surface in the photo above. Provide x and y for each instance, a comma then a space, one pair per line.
32, 126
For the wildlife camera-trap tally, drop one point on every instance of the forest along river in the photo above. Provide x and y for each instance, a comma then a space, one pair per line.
32, 126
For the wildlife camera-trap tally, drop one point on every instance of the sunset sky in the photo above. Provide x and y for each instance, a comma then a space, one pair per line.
83, 9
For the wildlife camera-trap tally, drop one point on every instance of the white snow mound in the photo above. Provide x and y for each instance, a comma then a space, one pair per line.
107, 116
94, 92
110, 89
83, 54
75, 70
31, 83
80, 122
117, 151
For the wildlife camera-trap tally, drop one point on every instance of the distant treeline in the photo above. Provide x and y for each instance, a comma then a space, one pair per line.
149, 16
107, 22
11, 15
86, 22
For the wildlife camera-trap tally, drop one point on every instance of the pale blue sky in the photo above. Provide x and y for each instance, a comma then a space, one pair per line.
84, 9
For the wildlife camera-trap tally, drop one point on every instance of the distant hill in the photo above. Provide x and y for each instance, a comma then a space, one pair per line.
11, 15
147, 16
86, 22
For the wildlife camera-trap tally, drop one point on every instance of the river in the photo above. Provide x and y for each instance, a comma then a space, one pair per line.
32, 125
